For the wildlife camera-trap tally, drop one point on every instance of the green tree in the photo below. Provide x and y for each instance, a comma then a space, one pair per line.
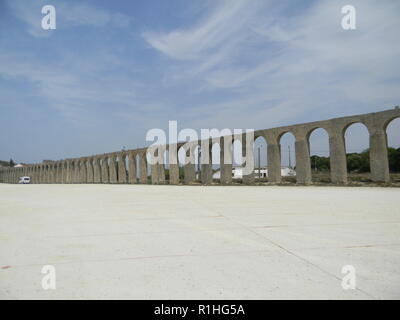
320, 163
394, 159
358, 162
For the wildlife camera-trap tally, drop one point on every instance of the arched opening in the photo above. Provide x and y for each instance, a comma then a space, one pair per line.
288, 157
237, 161
126, 162
393, 137
181, 162
149, 168
166, 166
197, 154
260, 159
356, 137
216, 165
137, 161
318, 141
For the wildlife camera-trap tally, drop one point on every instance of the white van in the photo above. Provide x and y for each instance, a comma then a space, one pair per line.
24, 180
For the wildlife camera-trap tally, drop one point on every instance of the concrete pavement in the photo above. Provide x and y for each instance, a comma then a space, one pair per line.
195, 242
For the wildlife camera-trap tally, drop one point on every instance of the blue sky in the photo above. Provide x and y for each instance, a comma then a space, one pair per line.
112, 70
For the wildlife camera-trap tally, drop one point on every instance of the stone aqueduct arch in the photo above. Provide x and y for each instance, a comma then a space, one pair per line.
112, 168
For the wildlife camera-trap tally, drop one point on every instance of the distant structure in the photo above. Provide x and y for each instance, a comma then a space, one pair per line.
259, 173
130, 166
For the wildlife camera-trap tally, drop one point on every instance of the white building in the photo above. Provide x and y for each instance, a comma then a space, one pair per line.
237, 173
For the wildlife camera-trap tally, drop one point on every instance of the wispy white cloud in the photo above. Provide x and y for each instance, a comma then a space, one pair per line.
224, 23
303, 61
275, 65
68, 14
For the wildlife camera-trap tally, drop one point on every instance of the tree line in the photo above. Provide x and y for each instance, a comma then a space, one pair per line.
10, 163
357, 162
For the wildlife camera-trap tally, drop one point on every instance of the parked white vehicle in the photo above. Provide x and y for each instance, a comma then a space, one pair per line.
24, 180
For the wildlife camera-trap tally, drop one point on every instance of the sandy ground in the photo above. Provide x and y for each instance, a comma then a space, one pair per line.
192, 242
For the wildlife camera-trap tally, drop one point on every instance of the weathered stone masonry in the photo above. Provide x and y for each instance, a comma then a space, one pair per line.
131, 166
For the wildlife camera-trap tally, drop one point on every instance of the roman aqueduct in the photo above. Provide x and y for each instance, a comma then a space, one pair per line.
130, 166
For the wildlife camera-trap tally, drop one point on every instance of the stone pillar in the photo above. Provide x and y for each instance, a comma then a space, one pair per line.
189, 169
206, 162
83, 171
105, 173
96, 170
76, 171
143, 168
161, 173
378, 156
45, 174
154, 173
173, 164
225, 161
72, 173
50, 173
303, 163
68, 170
90, 173
59, 172
34, 174
31, 173
122, 168
274, 162
132, 168
55, 172
113, 170
65, 172
37, 174
248, 153
337, 155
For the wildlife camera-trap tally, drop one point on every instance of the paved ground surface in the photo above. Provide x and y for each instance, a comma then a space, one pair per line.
132, 241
